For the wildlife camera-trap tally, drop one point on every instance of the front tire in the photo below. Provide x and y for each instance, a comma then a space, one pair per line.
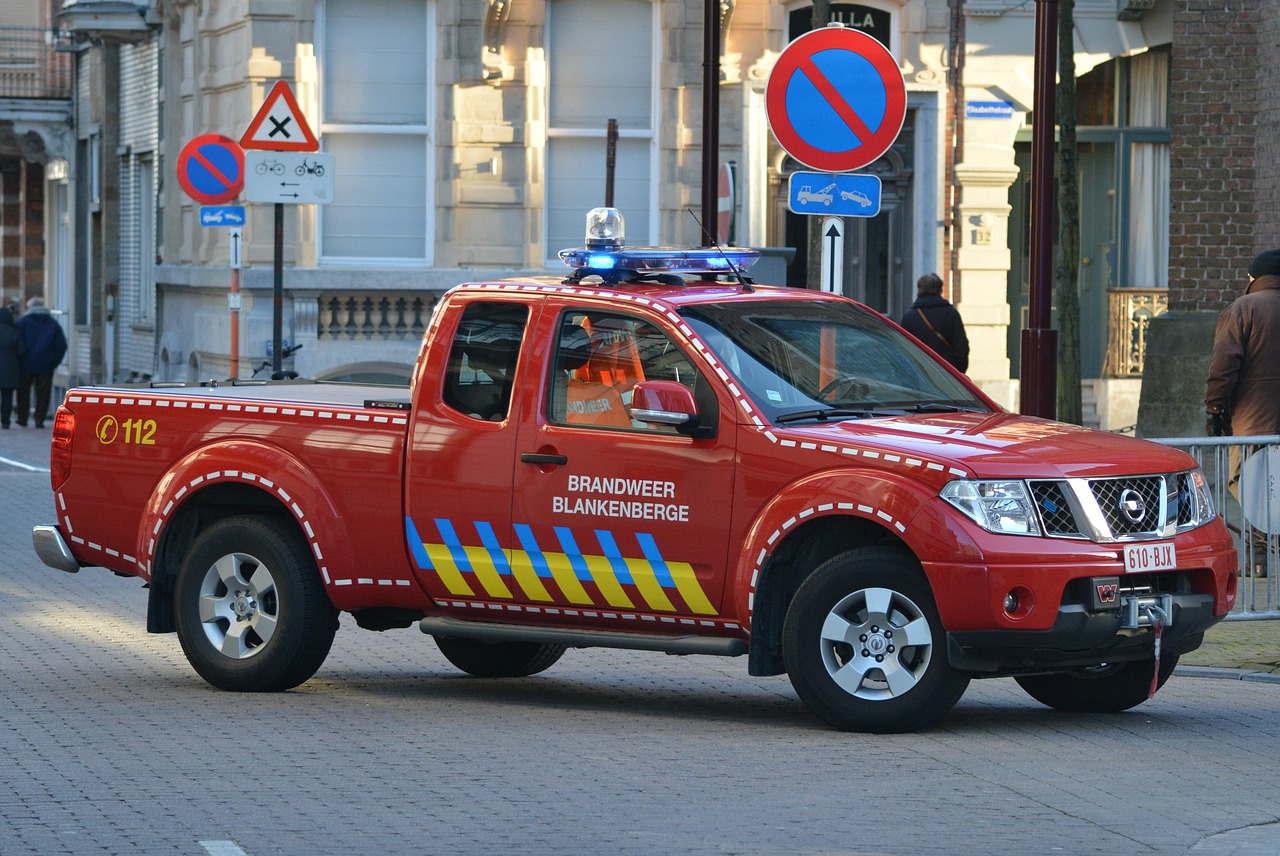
1103, 689
251, 612
499, 659
864, 646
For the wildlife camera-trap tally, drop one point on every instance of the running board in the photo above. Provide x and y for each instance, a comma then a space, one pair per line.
459, 629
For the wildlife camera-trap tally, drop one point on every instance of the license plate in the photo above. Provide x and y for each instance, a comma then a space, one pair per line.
1149, 557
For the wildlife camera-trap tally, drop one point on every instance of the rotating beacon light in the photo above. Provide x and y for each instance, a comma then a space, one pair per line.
606, 256
605, 230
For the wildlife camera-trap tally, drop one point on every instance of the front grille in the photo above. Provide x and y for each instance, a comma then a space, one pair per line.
1131, 506
1055, 512
1186, 499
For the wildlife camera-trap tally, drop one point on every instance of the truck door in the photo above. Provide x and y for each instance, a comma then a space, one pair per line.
458, 476
616, 519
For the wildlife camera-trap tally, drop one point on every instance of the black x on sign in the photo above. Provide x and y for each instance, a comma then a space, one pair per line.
280, 125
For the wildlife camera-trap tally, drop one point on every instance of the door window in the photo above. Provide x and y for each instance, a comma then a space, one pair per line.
600, 359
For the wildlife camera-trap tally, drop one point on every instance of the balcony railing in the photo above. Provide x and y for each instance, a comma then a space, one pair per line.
385, 317
31, 66
1131, 311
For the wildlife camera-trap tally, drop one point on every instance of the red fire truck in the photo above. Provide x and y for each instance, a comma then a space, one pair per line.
654, 453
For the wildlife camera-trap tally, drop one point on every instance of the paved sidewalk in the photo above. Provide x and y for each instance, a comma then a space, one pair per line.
1250, 646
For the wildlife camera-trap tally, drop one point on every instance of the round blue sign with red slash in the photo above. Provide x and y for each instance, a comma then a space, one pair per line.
211, 169
835, 99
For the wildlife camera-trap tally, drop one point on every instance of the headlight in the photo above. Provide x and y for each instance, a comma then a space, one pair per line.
1195, 500
1002, 507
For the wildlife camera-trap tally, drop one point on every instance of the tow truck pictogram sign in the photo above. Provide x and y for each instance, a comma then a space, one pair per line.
279, 125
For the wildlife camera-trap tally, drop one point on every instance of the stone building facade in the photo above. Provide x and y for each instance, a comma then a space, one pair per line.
469, 140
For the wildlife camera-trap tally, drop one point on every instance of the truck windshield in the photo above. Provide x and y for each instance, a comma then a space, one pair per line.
811, 359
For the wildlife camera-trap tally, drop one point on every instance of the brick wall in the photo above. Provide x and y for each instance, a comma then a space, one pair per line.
1223, 177
1224, 115
1267, 198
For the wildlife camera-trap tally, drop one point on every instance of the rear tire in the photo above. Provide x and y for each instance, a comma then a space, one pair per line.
499, 659
252, 614
864, 646
1102, 689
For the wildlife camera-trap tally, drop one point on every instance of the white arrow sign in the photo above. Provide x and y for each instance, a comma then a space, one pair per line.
833, 255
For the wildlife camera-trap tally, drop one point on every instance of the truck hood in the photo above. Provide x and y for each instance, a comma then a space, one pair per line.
1004, 445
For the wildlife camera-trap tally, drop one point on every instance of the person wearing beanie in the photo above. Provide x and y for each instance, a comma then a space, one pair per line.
934, 321
1242, 393
46, 345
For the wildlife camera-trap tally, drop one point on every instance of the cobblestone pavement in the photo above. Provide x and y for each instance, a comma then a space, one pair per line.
113, 745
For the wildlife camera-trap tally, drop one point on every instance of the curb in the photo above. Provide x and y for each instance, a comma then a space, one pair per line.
1254, 675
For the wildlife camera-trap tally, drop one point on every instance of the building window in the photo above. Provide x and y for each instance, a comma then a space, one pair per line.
376, 78
1123, 109
145, 200
1149, 172
600, 66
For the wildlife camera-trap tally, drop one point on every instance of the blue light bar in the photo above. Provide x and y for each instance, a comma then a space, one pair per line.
659, 259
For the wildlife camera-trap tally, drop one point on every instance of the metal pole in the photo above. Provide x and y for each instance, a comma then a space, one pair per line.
710, 116
277, 296
610, 160
234, 302
1039, 342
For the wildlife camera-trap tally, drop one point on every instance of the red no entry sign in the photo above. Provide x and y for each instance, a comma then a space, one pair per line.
211, 169
836, 99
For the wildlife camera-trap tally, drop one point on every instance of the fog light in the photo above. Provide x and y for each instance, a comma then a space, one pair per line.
1019, 602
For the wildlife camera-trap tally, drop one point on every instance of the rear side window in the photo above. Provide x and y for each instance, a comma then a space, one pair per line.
482, 360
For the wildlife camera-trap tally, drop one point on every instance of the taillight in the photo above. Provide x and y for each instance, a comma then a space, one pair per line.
64, 423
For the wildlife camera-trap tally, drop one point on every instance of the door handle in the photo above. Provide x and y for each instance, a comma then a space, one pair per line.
539, 458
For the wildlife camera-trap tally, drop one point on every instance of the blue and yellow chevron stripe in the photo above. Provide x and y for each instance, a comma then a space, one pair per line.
647, 582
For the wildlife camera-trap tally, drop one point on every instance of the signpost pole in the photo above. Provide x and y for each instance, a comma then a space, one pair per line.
277, 293
233, 302
710, 116
1039, 340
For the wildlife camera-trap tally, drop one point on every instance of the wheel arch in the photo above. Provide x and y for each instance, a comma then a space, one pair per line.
198, 491
811, 522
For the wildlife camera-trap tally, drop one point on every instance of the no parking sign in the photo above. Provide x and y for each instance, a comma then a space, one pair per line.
835, 99
211, 169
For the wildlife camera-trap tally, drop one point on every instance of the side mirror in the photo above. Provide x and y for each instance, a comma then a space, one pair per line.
663, 402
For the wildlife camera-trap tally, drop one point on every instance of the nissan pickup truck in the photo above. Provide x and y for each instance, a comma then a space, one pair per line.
652, 452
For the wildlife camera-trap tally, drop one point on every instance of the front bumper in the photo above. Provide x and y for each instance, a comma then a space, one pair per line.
1082, 637
52, 548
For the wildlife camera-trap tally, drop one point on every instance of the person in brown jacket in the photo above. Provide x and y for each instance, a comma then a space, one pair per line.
1242, 394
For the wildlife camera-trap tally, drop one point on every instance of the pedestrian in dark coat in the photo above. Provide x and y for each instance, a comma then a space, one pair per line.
12, 350
1242, 393
46, 346
934, 321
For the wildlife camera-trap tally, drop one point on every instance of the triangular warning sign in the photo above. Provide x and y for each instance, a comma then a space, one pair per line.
280, 125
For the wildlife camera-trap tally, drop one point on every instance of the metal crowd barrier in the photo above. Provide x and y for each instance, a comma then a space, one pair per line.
1244, 473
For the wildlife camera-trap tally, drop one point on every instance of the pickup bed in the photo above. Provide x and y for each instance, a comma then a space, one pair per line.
653, 454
